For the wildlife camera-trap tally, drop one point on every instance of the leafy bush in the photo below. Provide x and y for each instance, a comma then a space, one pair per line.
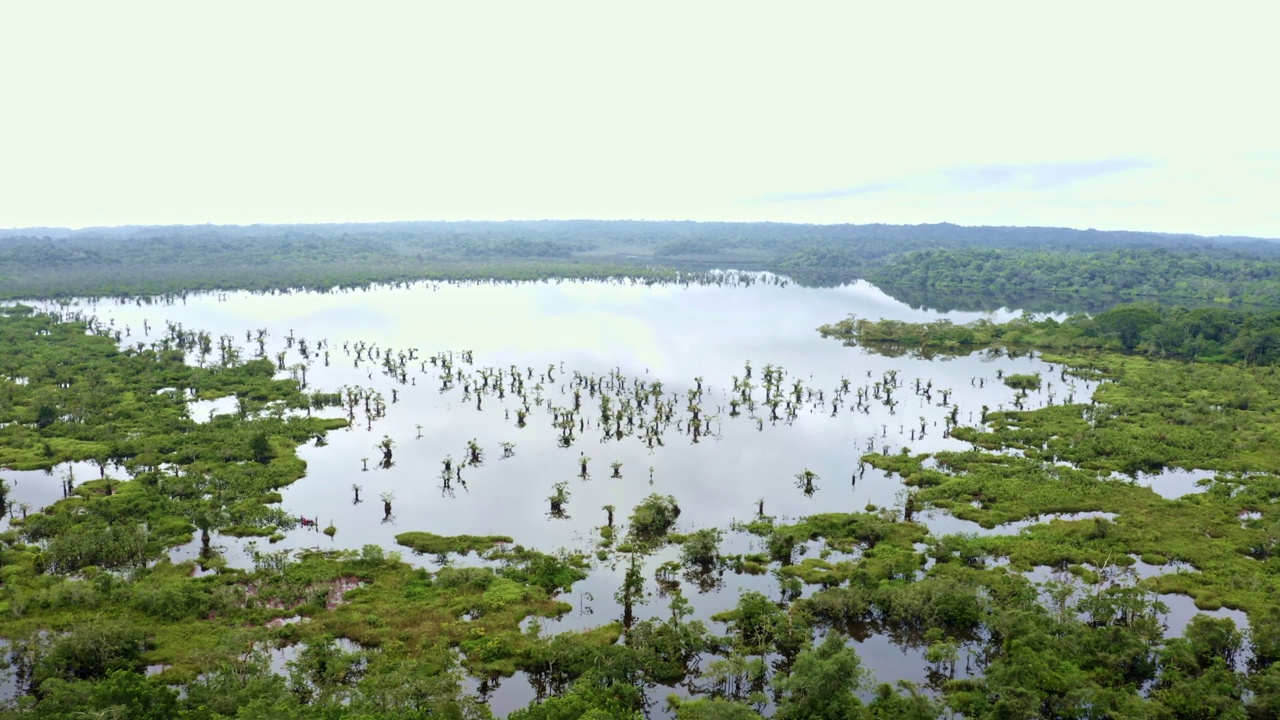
431, 544
653, 518
1028, 381
701, 548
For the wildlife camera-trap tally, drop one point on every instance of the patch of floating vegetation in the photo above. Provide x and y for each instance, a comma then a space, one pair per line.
425, 543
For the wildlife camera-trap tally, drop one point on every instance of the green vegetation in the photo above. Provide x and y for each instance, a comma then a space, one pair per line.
409, 625
84, 399
1218, 335
1023, 382
89, 599
175, 260
652, 519
1007, 265
429, 544
1225, 273
1100, 638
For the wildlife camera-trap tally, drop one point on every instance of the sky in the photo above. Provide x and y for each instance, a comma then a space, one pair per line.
1111, 115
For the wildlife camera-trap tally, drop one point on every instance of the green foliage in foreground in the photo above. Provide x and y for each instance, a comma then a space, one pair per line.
71, 395
87, 611
1092, 640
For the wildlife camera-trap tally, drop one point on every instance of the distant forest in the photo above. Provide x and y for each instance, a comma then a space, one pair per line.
942, 265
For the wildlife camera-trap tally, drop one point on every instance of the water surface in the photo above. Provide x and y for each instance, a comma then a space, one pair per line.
618, 335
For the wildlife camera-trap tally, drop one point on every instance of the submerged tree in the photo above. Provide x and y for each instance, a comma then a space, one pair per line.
385, 446
631, 592
805, 480
653, 518
558, 498
823, 683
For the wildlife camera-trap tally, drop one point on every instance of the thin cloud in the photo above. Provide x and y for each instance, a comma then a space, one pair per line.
1031, 176
830, 194
1040, 176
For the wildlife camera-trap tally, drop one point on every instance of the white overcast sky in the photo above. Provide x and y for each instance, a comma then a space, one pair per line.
1114, 115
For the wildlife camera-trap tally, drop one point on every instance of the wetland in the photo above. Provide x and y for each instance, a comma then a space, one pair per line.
540, 499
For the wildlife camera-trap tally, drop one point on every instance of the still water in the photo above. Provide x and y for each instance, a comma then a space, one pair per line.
618, 336
674, 334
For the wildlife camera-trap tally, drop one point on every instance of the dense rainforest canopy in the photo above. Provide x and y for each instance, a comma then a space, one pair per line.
948, 261
1217, 275
1210, 334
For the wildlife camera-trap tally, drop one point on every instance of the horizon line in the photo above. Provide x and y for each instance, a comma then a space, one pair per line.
84, 228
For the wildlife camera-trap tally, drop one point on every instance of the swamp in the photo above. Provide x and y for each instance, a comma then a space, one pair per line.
699, 494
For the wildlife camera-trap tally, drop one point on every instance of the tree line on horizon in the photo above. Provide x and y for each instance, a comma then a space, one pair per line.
948, 262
